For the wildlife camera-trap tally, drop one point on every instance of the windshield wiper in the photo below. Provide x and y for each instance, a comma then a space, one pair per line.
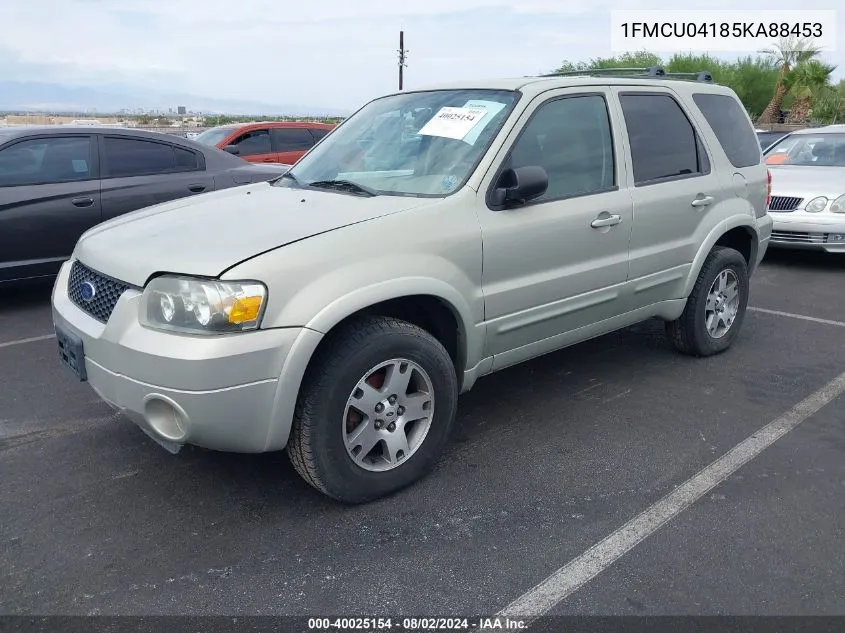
344, 185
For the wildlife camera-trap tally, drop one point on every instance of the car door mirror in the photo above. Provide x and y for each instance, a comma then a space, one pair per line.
232, 149
519, 185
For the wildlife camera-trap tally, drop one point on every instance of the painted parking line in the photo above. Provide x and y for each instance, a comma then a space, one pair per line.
32, 339
798, 316
543, 597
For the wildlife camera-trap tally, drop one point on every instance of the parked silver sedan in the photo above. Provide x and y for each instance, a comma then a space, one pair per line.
808, 189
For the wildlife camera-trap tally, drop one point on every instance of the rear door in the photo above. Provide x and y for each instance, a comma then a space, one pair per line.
291, 143
138, 173
673, 186
49, 196
255, 146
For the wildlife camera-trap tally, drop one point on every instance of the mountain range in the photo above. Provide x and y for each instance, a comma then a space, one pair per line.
24, 96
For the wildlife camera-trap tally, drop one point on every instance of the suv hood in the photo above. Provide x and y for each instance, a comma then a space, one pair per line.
206, 234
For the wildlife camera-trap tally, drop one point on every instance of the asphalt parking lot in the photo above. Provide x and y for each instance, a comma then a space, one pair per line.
549, 458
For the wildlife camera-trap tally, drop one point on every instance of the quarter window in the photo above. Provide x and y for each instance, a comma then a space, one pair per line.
571, 139
125, 157
44, 161
731, 126
663, 141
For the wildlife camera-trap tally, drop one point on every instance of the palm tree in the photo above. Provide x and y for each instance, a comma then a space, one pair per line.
809, 79
787, 53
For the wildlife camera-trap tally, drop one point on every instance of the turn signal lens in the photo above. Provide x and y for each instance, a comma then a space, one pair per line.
245, 309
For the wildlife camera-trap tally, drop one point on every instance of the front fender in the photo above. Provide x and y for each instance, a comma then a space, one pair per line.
732, 222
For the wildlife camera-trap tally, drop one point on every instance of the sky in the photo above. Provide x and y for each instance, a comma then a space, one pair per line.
324, 53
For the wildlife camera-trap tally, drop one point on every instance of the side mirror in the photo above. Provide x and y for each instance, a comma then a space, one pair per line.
518, 186
232, 149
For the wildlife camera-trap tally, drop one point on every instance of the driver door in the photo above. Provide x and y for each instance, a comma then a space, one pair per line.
559, 262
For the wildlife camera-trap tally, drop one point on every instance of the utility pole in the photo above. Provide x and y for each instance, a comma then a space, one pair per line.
402, 56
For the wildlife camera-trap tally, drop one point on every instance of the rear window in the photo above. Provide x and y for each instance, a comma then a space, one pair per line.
731, 126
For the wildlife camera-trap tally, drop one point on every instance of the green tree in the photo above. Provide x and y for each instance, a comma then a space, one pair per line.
810, 83
788, 53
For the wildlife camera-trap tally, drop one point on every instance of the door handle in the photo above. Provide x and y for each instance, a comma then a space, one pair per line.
82, 202
702, 201
607, 220
196, 188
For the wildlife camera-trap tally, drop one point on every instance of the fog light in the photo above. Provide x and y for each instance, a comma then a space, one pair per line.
836, 237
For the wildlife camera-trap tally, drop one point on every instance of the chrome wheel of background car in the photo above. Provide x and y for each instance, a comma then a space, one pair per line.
388, 415
722, 304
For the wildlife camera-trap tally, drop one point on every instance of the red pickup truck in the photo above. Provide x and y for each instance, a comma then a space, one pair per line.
266, 142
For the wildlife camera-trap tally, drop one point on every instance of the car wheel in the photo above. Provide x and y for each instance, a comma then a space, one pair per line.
375, 410
716, 307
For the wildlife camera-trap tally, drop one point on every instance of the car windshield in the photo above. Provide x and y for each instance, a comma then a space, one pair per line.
423, 144
214, 135
821, 150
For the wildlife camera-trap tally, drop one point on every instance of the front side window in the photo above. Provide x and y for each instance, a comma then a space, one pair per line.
255, 142
571, 139
44, 161
412, 144
809, 150
663, 142
126, 157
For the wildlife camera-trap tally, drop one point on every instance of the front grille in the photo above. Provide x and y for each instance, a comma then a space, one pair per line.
106, 291
784, 203
798, 237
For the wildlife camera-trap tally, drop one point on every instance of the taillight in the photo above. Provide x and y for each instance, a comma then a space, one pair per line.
769, 188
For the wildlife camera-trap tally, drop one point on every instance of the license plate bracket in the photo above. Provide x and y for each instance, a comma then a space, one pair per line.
71, 353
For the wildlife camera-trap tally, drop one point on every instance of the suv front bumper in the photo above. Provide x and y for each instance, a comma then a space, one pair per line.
220, 392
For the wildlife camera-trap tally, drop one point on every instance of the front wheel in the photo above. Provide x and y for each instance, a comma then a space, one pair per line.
716, 307
375, 410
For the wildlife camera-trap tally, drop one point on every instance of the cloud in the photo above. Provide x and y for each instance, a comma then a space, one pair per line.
332, 53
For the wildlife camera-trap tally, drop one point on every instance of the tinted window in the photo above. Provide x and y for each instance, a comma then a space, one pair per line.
185, 158
571, 139
663, 141
134, 157
730, 125
318, 133
46, 160
255, 142
292, 139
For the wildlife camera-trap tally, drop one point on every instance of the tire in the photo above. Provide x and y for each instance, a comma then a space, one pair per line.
689, 333
320, 446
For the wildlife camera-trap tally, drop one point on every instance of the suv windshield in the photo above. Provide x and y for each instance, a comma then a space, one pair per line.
214, 135
412, 144
821, 150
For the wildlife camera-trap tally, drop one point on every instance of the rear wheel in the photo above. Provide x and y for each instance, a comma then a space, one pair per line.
716, 307
375, 410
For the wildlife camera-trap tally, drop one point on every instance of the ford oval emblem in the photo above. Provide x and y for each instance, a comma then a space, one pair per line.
88, 290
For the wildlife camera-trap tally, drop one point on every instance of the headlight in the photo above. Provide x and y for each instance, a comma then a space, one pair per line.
838, 205
203, 306
816, 204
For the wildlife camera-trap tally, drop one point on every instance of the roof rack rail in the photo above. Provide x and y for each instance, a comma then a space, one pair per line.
651, 71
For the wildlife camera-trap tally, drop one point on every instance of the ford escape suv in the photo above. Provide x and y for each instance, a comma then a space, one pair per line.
434, 237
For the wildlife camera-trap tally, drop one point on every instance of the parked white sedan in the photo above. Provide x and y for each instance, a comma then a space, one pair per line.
808, 189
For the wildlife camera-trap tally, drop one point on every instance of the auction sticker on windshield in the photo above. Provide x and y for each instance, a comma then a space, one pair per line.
452, 122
